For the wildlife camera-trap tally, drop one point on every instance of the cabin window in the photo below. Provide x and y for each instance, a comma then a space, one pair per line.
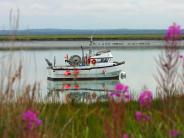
104, 60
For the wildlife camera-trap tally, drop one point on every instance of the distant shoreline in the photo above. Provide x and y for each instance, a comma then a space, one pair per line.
81, 37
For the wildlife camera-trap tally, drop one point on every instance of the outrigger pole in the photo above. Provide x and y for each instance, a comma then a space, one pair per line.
82, 56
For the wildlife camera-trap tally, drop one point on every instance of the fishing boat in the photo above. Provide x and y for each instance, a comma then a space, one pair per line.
89, 66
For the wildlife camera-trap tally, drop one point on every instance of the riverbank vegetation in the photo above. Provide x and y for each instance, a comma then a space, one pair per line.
81, 37
99, 120
24, 114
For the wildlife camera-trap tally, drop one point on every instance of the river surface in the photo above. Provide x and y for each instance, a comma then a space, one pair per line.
140, 67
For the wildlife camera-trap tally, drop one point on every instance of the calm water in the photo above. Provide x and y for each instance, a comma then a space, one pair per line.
140, 67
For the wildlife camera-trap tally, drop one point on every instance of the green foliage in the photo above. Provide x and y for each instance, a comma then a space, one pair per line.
83, 120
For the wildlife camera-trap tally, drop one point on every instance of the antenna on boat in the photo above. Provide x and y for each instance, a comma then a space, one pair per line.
54, 61
91, 39
48, 62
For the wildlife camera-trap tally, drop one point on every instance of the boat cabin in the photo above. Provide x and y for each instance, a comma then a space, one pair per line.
103, 56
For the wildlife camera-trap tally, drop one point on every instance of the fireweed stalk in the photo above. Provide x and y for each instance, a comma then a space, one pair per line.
168, 78
168, 63
114, 126
145, 101
145, 98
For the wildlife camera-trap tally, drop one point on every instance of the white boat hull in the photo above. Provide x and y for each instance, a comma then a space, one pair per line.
86, 73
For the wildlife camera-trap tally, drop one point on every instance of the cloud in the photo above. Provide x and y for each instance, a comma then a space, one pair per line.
59, 7
128, 10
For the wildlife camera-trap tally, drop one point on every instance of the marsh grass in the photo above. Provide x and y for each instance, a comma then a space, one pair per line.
91, 120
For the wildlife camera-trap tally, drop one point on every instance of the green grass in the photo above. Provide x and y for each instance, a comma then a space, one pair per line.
83, 37
88, 121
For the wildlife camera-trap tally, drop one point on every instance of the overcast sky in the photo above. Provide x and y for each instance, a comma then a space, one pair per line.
93, 14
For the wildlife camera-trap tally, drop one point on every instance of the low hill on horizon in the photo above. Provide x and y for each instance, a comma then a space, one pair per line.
83, 31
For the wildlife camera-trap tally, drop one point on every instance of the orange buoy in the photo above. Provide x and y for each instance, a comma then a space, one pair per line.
67, 73
76, 86
93, 61
76, 71
89, 60
67, 86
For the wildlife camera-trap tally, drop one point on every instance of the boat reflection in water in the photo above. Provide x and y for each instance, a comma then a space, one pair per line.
79, 91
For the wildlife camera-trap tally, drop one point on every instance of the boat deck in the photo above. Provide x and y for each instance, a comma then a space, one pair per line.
88, 67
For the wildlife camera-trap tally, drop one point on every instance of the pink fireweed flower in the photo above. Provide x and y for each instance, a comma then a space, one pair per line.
173, 32
121, 87
31, 119
120, 93
127, 96
174, 133
146, 118
138, 115
125, 135
145, 98
114, 94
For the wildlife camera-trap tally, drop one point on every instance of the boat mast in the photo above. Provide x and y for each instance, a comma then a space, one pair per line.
82, 56
90, 46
